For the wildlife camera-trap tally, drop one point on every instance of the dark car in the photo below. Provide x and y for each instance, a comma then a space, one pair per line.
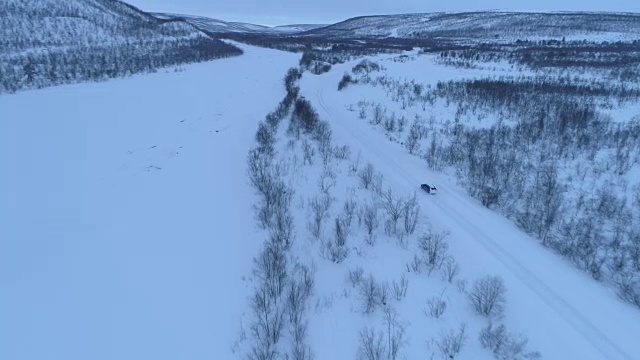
431, 189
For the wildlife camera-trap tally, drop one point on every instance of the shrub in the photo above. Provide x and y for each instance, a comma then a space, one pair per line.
488, 296
505, 346
345, 81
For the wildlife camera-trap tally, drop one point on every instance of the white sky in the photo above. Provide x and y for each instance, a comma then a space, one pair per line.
280, 12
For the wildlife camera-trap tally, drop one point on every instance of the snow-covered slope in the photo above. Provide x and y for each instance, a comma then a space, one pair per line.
213, 25
126, 221
45, 42
489, 26
29, 24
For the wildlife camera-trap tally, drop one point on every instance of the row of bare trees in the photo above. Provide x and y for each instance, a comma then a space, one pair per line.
283, 286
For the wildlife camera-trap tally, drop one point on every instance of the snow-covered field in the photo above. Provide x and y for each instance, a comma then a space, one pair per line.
126, 222
128, 229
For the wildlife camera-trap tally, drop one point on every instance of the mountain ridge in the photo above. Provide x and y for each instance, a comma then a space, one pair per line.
476, 25
214, 26
484, 24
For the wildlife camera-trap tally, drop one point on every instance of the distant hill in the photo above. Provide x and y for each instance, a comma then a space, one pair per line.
488, 26
297, 28
215, 26
49, 42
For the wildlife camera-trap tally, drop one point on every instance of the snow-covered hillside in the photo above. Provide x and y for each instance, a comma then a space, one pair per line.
213, 25
489, 26
127, 224
44, 42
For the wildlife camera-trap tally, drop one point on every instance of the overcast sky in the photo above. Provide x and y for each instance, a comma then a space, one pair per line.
280, 12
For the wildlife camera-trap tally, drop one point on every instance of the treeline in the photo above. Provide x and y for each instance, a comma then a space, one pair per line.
48, 68
619, 60
513, 93
282, 285
335, 50
579, 54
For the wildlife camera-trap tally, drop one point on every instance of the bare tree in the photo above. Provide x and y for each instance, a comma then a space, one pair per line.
395, 333
266, 139
349, 209
629, 288
411, 143
340, 232
308, 152
319, 213
276, 200
301, 350
327, 180
451, 343
543, 203
504, 345
371, 345
366, 175
390, 123
434, 249
393, 207
488, 296
342, 152
378, 114
402, 122
305, 118
337, 249
371, 293
346, 80
270, 268
268, 325
376, 184
436, 306
281, 229
355, 276
416, 264
326, 152
450, 269
355, 165
259, 169
365, 67
299, 290
400, 288
410, 212
362, 113
322, 134
370, 220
